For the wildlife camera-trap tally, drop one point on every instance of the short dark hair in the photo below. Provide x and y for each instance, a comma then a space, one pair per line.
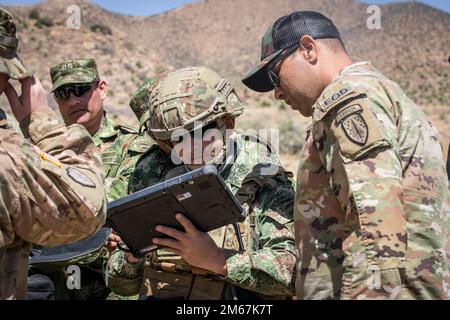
335, 44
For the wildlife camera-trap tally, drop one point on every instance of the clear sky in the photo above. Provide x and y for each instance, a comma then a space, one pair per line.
150, 7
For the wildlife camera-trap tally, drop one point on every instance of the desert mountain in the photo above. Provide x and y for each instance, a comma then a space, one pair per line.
412, 47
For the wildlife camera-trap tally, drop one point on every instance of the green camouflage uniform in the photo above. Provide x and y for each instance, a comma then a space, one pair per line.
266, 267
119, 148
51, 181
371, 212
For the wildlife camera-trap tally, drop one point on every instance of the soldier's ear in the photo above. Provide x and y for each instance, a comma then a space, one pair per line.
308, 49
103, 89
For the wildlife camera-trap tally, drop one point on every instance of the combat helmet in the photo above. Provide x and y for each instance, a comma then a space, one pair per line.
189, 95
10, 62
139, 101
187, 100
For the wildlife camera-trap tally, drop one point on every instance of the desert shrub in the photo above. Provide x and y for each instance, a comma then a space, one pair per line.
44, 22
34, 14
105, 49
101, 28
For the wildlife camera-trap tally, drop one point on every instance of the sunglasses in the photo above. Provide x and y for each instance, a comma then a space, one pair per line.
78, 90
273, 75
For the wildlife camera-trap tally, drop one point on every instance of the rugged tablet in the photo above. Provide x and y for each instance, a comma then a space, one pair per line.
201, 195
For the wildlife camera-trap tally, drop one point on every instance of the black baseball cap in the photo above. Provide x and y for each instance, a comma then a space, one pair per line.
286, 32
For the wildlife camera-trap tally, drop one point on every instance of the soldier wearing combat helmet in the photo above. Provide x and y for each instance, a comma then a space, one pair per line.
52, 183
189, 104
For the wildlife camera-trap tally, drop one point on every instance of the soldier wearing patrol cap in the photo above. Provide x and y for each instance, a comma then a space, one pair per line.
372, 219
198, 103
79, 92
52, 183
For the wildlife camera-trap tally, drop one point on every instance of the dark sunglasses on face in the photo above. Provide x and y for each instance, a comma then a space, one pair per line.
273, 75
78, 90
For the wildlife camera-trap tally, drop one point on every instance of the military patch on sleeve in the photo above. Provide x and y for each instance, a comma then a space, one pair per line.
80, 178
336, 97
353, 124
339, 96
357, 130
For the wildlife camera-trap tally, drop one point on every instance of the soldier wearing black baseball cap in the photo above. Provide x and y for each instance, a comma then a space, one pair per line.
364, 213
284, 38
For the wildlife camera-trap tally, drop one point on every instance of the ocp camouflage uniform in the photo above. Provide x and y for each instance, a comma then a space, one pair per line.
51, 194
265, 268
371, 211
8, 122
51, 181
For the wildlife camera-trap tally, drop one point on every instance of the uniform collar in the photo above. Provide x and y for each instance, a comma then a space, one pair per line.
107, 130
352, 67
362, 65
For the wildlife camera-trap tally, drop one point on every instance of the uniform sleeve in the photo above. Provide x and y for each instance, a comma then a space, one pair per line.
117, 187
317, 211
357, 145
122, 277
268, 267
56, 193
151, 168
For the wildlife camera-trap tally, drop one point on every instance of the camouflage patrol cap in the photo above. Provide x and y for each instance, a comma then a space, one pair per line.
139, 100
77, 71
10, 62
189, 98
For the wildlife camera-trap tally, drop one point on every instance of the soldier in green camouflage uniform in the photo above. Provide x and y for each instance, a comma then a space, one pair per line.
120, 145
51, 181
79, 93
264, 268
372, 216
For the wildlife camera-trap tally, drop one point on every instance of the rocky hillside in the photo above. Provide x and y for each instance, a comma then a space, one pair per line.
412, 47
226, 35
